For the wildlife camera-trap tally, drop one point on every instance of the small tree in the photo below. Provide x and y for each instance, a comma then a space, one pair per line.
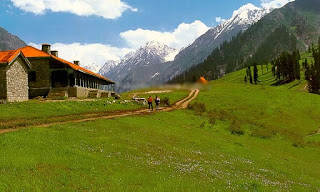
255, 73
297, 70
273, 69
249, 74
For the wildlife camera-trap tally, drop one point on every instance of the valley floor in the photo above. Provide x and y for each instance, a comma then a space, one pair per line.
235, 137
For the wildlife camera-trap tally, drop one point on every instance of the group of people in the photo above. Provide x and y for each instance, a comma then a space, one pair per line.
156, 100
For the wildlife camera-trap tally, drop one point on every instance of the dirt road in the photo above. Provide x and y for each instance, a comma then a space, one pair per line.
179, 105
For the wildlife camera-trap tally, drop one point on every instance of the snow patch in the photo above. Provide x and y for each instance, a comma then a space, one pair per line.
156, 74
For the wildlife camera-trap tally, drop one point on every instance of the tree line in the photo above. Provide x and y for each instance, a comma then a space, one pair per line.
287, 68
312, 71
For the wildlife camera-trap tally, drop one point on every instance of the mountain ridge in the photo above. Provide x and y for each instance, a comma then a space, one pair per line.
9, 41
286, 29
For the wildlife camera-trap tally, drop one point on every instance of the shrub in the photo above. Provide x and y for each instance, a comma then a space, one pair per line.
235, 128
221, 115
263, 132
212, 117
166, 101
197, 107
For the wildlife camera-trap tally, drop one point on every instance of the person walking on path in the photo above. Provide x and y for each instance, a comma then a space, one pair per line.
157, 101
150, 100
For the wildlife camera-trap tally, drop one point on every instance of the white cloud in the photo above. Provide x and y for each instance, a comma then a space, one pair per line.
108, 9
220, 20
274, 4
88, 54
182, 36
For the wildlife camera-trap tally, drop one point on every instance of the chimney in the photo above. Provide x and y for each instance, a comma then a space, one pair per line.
76, 62
55, 53
46, 48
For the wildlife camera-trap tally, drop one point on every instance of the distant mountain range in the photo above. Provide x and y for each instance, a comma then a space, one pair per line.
9, 41
139, 69
144, 70
294, 26
198, 51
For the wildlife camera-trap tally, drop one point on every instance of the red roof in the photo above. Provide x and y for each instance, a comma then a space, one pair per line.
31, 52
8, 56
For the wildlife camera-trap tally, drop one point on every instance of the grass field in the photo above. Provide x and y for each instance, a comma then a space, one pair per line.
249, 137
38, 112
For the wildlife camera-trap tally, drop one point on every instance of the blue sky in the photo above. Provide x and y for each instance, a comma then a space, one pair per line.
108, 22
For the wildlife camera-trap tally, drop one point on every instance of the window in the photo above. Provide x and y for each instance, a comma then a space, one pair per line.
32, 76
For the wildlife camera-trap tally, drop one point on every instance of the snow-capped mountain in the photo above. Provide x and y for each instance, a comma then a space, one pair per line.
140, 68
108, 66
156, 63
201, 48
93, 67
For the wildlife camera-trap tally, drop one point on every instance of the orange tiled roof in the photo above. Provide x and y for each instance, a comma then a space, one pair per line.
31, 52
8, 56
78, 68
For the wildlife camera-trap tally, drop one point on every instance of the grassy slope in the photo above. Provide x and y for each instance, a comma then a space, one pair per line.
36, 112
180, 150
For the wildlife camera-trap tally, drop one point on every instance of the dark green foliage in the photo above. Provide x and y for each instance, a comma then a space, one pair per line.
273, 69
249, 74
312, 73
287, 67
255, 73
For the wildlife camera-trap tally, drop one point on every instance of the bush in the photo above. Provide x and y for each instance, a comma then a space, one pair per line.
166, 101
235, 128
197, 107
221, 115
263, 133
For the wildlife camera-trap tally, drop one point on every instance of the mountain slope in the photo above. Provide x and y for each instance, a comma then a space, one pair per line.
296, 25
140, 68
9, 41
196, 53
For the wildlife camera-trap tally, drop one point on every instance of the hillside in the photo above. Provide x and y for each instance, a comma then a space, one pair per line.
9, 41
235, 136
294, 26
200, 49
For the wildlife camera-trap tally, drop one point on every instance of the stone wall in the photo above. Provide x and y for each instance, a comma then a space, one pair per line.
41, 86
17, 81
82, 92
3, 82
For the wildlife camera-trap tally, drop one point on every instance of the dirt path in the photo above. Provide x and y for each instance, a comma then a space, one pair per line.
179, 105
313, 134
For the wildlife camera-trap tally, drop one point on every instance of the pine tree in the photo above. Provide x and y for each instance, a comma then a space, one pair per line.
307, 71
249, 74
273, 68
297, 70
255, 73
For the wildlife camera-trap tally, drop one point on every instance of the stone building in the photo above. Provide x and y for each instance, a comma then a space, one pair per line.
14, 69
52, 77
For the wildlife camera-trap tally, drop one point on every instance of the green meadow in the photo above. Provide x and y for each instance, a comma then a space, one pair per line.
240, 137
